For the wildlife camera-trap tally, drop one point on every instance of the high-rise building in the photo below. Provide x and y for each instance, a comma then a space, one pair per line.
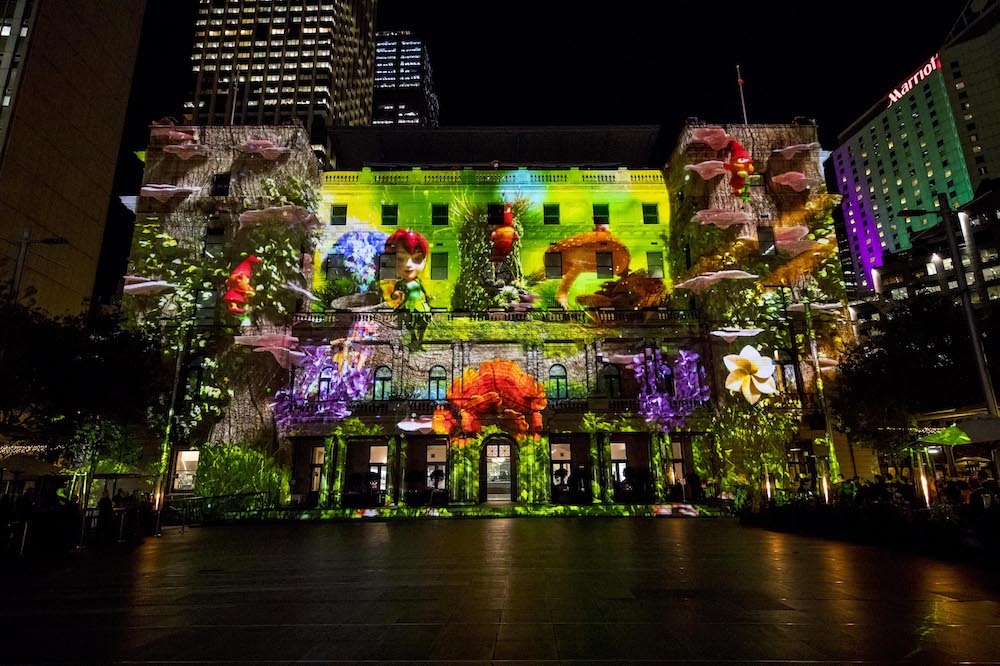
969, 58
62, 110
899, 155
404, 83
274, 62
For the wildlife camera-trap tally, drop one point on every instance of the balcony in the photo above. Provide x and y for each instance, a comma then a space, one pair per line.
599, 317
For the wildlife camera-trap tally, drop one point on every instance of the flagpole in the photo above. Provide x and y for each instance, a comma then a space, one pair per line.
743, 102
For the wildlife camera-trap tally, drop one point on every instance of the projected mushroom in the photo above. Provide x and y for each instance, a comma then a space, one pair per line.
271, 340
293, 216
286, 358
721, 218
164, 193
750, 374
796, 180
701, 282
708, 169
814, 307
730, 333
792, 240
308, 295
419, 424
788, 152
148, 287
186, 151
715, 137
579, 255
264, 148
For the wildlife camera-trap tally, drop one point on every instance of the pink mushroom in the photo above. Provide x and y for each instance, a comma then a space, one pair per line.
708, 169
721, 218
796, 180
788, 152
715, 137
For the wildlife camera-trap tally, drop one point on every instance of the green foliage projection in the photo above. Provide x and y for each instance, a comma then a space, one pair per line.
237, 468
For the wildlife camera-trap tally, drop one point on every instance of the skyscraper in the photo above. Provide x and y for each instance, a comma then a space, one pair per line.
404, 83
899, 155
272, 62
969, 58
61, 116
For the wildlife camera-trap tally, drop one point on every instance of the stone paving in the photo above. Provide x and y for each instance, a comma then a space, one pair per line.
505, 590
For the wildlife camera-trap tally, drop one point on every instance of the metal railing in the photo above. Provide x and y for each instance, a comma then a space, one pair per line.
186, 510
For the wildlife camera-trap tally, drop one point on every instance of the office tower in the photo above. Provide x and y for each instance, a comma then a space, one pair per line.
969, 59
404, 83
898, 156
275, 63
65, 73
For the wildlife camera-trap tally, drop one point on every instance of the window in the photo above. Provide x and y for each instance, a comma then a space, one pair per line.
558, 389
619, 461
561, 460
335, 267
494, 214
550, 213
437, 466
323, 385
220, 185
439, 214
650, 213
931, 268
601, 214
185, 469
439, 265
390, 214
387, 266
316, 468
605, 265
611, 380
338, 215
378, 467
437, 379
654, 265
553, 265
383, 383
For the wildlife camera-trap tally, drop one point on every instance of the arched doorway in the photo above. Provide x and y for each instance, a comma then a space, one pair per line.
498, 470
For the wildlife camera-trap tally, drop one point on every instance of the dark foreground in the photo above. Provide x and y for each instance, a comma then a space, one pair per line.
501, 590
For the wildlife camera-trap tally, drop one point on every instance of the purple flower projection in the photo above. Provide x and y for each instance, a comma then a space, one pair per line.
326, 386
657, 403
360, 249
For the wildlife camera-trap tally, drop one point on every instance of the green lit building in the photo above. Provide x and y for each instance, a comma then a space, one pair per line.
899, 155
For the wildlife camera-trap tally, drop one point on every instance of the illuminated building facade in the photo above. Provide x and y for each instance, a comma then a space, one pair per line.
899, 155
61, 116
404, 82
500, 333
273, 62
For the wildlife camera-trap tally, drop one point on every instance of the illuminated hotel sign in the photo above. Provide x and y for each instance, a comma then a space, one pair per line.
910, 83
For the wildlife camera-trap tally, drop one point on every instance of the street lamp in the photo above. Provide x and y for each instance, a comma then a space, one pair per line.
947, 219
22, 258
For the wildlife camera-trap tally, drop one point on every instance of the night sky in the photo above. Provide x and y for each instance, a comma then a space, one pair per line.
547, 62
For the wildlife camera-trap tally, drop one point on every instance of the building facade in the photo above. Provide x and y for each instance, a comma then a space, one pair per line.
272, 63
969, 58
899, 155
57, 166
404, 82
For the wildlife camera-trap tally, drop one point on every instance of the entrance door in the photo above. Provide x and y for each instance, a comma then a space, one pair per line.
497, 480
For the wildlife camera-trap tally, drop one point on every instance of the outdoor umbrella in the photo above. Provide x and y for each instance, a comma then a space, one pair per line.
950, 436
27, 467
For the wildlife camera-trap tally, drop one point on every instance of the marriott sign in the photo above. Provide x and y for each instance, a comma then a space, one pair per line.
911, 83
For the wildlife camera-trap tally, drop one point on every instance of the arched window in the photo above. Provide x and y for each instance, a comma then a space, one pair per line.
558, 390
437, 379
323, 386
383, 383
611, 380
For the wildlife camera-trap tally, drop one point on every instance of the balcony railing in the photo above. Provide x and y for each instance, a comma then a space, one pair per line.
604, 316
524, 177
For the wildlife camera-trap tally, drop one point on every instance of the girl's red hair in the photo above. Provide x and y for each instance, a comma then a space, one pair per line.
410, 241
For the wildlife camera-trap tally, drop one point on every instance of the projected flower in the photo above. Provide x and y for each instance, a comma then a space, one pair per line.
669, 394
360, 249
715, 137
750, 374
796, 180
721, 218
788, 152
708, 169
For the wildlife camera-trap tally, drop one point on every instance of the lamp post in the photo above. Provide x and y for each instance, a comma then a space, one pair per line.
948, 220
22, 258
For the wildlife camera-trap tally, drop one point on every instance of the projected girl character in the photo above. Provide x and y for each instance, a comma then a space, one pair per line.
411, 250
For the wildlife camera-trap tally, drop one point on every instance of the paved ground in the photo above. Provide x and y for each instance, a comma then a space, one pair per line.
501, 590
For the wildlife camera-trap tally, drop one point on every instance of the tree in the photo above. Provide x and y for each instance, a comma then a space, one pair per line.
919, 361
